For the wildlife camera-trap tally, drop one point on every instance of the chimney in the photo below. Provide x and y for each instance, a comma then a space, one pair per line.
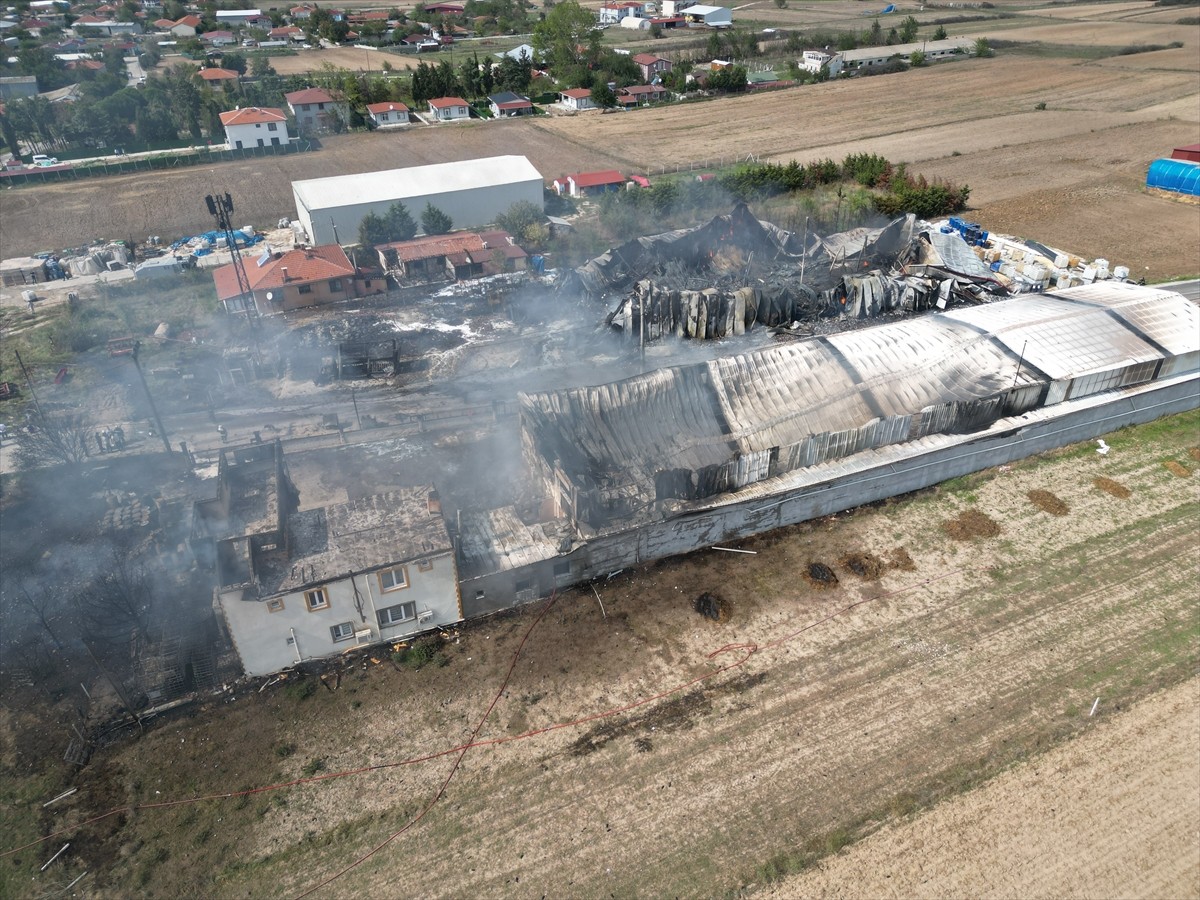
285, 274
434, 503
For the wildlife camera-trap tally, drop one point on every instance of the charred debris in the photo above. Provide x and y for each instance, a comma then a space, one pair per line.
737, 273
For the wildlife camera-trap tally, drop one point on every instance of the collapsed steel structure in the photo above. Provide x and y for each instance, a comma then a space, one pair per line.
735, 272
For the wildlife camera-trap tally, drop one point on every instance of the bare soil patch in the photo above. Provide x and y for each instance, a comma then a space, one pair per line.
971, 524
899, 559
342, 58
1115, 488
1194, 453
1178, 469
1048, 502
1112, 813
866, 566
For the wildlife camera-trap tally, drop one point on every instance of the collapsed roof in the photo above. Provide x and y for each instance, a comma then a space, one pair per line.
643, 447
737, 271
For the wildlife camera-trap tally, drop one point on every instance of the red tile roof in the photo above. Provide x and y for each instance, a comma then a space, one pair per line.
218, 75
303, 267
386, 107
447, 102
648, 59
596, 179
576, 93
194, 21
308, 95
452, 245
252, 115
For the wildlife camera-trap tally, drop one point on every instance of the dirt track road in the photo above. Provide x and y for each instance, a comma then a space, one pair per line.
1113, 813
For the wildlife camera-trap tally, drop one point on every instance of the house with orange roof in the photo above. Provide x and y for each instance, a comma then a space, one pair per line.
219, 80
390, 112
315, 109
255, 126
309, 276
185, 27
448, 109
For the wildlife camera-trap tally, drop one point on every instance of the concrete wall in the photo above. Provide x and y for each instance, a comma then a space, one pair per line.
906, 468
264, 639
468, 209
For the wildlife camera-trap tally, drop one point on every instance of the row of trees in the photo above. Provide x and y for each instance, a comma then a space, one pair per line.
397, 224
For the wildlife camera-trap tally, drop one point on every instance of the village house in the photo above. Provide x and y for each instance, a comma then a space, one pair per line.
507, 104
640, 94
449, 109
219, 80
316, 110
286, 33
454, 257
185, 27
388, 113
300, 584
218, 38
613, 13
308, 276
815, 60
577, 99
652, 66
587, 184
255, 126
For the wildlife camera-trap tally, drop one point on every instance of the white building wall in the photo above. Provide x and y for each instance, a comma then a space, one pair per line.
467, 209
250, 135
269, 641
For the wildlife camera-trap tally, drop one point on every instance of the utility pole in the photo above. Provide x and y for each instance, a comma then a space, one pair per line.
354, 400
29, 384
221, 208
162, 432
804, 250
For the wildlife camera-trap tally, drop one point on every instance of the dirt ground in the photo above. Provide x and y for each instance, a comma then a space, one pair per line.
1070, 174
351, 58
928, 664
1075, 822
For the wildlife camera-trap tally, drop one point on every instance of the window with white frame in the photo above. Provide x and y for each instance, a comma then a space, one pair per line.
393, 579
316, 599
343, 631
394, 615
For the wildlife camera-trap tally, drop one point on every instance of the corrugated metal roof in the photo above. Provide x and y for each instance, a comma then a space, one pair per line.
937, 372
415, 181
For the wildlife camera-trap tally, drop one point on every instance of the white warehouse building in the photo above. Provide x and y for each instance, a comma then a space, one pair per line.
472, 193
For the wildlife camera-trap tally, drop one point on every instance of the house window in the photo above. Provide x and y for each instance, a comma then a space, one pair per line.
316, 599
424, 565
342, 631
394, 615
275, 604
393, 579
562, 572
305, 289
335, 285
320, 106
272, 126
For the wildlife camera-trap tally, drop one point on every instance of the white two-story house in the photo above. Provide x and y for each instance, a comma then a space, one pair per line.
255, 126
296, 585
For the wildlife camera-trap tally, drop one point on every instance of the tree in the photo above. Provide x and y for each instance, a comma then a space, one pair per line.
603, 96
520, 216
876, 36
372, 231
235, 62
261, 65
567, 28
908, 29
939, 33
434, 221
982, 47
400, 223
916, 59
730, 79
61, 439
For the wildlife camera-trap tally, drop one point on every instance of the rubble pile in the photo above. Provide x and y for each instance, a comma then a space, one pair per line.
737, 272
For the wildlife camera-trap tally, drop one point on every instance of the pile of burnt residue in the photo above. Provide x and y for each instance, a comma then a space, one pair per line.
712, 606
1048, 502
820, 575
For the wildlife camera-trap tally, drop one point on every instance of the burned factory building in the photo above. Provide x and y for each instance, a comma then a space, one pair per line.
688, 456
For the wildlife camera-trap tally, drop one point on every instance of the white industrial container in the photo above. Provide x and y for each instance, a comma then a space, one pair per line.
1101, 268
1089, 275
1060, 261
1121, 272
1062, 278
